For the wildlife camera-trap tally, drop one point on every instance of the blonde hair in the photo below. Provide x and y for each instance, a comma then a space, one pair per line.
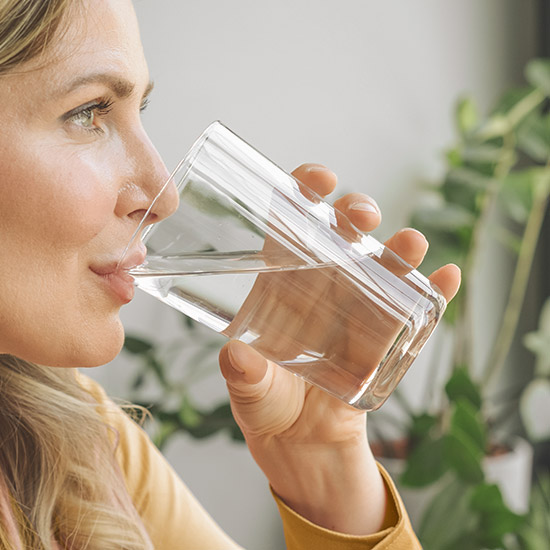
27, 28
57, 461
56, 488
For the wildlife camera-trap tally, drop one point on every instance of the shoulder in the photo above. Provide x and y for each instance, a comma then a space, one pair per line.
91, 386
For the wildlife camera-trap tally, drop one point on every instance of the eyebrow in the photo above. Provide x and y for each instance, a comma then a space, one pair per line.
121, 87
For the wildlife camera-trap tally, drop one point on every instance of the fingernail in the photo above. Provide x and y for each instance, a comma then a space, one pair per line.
363, 206
242, 354
317, 168
234, 360
408, 229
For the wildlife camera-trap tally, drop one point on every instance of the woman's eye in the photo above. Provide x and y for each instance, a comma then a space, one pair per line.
88, 116
84, 118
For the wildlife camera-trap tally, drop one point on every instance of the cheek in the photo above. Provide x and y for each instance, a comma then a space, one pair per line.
56, 199
51, 210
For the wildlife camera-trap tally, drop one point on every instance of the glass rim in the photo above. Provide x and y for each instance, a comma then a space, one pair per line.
184, 165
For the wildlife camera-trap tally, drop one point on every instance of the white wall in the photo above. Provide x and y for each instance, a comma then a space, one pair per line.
365, 87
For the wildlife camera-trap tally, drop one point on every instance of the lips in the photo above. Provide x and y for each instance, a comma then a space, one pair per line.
114, 273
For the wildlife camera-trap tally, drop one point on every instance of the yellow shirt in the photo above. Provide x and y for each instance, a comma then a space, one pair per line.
175, 520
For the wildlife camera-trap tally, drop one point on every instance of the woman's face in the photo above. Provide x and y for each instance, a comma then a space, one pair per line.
77, 172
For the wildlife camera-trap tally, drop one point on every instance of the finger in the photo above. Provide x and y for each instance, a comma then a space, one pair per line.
410, 245
317, 177
361, 209
447, 279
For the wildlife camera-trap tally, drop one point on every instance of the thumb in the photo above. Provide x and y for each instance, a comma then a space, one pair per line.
243, 368
265, 399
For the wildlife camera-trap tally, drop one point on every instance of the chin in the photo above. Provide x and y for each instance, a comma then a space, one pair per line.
93, 349
95, 345
100, 351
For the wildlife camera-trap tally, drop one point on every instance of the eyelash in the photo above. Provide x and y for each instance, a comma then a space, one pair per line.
101, 108
144, 104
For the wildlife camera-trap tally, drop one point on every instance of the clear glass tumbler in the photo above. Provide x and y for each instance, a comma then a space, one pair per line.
254, 254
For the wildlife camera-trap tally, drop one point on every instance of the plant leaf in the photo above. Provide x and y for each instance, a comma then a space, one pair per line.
505, 236
447, 517
462, 186
516, 194
496, 518
158, 369
513, 107
425, 464
445, 247
188, 322
463, 456
138, 381
539, 342
422, 424
454, 157
470, 178
448, 217
218, 419
467, 419
487, 498
535, 531
534, 407
461, 386
164, 434
137, 346
189, 416
537, 73
496, 126
467, 116
486, 153
533, 137
509, 100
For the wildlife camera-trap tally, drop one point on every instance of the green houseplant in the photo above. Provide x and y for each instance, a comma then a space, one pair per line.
500, 163
168, 396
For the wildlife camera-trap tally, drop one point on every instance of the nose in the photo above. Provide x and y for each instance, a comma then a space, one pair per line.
147, 185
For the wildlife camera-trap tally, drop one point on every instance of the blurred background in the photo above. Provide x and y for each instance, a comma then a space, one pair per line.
367, 88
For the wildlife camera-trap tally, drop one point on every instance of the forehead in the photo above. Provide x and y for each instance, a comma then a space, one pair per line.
97, 36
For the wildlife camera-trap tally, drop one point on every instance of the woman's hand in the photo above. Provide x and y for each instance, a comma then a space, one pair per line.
313, 447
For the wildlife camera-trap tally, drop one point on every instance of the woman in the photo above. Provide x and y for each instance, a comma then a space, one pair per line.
77, 174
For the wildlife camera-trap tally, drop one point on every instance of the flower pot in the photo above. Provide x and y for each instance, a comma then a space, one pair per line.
512, 471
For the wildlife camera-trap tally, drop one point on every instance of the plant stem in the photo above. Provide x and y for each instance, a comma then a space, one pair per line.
435, 361
520, 281
463, 352
463, 349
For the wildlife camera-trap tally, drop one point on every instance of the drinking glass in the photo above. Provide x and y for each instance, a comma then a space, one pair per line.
256, 255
